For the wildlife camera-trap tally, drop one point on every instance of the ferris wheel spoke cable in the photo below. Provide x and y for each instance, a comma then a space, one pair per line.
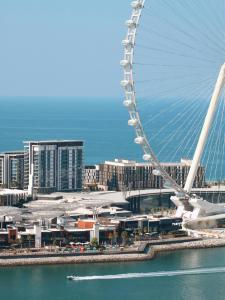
218, 143
167, 91
185, 34
209, 50
213, 38
180, 88
177, 54
215, 149
178, 132
190, 141
144, 99
223, 150
210, 164
159, 66
171, 108
190, 107
165, 38
183, 103
162, 79
174, 72
218, 22
196, 133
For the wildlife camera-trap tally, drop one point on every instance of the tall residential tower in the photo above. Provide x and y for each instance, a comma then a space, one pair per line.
52, 166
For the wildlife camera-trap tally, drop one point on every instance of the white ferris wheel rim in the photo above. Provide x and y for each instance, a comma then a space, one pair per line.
128, 83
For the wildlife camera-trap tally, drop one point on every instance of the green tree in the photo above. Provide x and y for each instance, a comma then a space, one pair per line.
94, 242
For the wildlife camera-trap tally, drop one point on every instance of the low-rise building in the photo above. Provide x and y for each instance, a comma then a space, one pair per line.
123, 175
91, 176
12, 197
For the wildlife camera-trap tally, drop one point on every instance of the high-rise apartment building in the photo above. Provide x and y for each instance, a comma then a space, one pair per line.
12, 170
52, 166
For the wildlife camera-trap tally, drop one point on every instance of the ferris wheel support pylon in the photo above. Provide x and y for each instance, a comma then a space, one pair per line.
130, 101
205, 129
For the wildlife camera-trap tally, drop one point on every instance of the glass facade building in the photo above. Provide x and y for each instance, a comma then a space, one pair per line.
52, 166
12, 170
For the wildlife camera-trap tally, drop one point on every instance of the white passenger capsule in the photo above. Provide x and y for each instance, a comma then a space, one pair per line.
125, 63
125, 83
140, 140
133, 122
156, 172
147, 157
129, 103
127, 43
137, 4
130, 23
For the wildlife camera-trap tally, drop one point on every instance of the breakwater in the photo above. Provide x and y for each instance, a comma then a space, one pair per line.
153, 250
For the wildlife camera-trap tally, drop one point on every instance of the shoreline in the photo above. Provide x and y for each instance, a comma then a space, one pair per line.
113, 258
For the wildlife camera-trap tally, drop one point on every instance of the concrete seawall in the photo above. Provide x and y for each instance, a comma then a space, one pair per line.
110, 258
75, 259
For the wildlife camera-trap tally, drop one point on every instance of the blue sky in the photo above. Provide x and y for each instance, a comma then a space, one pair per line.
61, 47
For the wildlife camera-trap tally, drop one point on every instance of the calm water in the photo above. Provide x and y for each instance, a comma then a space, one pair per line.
48, 282
102, 124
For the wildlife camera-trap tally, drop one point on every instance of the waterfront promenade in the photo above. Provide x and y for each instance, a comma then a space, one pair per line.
126, 255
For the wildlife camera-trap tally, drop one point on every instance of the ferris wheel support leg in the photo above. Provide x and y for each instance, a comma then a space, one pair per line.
205, 130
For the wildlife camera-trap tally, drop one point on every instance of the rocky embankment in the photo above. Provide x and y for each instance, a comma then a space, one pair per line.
75, 259
202, 244
121, 257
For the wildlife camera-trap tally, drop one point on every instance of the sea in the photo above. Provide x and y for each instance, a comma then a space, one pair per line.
102, 124
50, 283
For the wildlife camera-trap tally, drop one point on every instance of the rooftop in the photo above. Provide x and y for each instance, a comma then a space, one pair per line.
54, 142
133, 163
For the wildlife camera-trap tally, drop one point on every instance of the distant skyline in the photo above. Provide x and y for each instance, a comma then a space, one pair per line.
61, 48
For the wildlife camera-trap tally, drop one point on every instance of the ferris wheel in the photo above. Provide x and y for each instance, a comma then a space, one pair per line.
174, 54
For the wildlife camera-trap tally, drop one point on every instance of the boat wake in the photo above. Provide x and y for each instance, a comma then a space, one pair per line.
151, 274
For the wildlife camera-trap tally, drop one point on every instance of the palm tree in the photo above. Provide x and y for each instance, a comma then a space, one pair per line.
94, 242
